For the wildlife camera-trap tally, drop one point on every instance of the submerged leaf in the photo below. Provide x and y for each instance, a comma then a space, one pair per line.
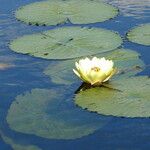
15, 145
131, 99
67, 42
55, 12
126, 61
140, 34
44, 113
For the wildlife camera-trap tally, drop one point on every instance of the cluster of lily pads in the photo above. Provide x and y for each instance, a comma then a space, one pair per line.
38, 112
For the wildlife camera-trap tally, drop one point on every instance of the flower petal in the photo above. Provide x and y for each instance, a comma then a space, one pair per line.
76, 72
111, 74
96, 77
94, 71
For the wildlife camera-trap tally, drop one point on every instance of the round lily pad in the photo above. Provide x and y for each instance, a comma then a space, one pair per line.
42, 112
55, 12
128, 97
67, 42
126, 61
140, 35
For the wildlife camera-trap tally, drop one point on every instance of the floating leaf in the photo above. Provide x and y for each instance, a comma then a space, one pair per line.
67, 42
43, 113
17, 146
140, 34
127, 62
132, 99
55, 12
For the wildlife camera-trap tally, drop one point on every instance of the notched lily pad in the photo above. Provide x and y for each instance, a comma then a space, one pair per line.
127, 62
131, 99
55, 12
67, 42
42, 112
140, 35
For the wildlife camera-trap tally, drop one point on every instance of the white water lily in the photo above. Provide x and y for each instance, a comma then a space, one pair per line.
94, 71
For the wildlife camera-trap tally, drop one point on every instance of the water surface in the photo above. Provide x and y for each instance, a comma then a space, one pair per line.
25, 73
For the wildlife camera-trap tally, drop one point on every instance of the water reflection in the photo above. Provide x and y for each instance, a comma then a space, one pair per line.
132, 8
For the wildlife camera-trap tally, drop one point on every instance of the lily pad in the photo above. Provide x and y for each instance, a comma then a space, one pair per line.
42, 112
67, 42
17, 146
127, 62
132, 99
55, 12
140, 35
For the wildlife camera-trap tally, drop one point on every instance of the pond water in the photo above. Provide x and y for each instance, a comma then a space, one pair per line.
71, 127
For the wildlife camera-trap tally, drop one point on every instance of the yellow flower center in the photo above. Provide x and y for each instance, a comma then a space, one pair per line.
96, 69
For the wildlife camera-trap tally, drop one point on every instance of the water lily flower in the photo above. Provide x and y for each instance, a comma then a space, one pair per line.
94, 71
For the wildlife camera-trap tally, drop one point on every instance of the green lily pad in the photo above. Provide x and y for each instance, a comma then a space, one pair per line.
127, 62
67, 42
42, 112
17, 146
140, 35
132, 99
55, 12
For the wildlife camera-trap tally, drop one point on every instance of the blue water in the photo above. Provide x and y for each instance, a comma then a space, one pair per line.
118, 134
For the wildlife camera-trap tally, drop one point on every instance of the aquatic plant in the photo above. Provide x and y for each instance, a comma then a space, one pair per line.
55, 12
67, 42
140, 34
